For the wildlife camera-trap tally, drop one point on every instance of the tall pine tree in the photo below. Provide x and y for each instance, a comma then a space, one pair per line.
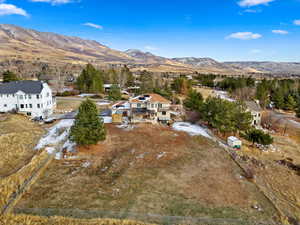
88, 128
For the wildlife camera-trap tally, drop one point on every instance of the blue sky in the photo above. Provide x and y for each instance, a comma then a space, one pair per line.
222, 29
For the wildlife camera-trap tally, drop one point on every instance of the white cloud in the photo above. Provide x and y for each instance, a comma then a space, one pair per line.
93, 25
53, 2
244, 36
256, 51
250, 3
9, 9
297, 22
150, 48
283, 32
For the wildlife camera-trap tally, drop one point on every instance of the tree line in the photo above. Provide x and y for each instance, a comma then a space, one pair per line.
226, 117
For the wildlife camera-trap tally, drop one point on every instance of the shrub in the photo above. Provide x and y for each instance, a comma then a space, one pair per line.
258, 136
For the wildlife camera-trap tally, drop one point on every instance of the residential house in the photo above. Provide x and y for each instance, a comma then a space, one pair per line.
33, 98
120, 111
256, 112
151, 108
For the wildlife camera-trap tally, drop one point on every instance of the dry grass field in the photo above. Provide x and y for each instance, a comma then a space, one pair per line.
206, 92
149, 170
18, 136
35, 220
277, 179
65, 105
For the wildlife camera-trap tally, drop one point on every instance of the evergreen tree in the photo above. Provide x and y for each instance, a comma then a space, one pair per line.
290, 103
262, 94
278, 98
147, 82
194, 100
9, 76
181, 85
259, 137
114, 93
88, 128
225, 116
90, 80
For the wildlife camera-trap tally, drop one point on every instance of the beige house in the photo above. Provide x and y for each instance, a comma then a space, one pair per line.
151, 108
256, 111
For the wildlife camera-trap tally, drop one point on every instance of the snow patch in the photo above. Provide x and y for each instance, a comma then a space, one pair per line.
191, 129
56, 134
69, 145
103, 103
161, 155
224, 95
83, 95
50, 150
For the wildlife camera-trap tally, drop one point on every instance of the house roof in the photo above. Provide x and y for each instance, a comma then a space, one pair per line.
27, 86
253, 106
152, 98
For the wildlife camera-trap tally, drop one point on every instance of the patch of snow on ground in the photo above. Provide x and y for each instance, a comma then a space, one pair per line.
103, 103
69, 145
83, 95
56, 134
58, 156
161, 155
224, 95
50, 150
191, 129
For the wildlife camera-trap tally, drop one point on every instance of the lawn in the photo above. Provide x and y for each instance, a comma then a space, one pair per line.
18, 136
148, 170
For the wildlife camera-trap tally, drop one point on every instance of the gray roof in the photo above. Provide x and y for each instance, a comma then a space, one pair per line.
253, 106
27, 86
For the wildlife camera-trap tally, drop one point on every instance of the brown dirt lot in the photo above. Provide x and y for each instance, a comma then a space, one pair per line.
18, 136
150, 169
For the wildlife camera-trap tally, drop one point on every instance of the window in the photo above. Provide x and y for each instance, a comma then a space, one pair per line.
164, 113
29, 114
29, 96
37, 96
159, 105
48, 94
139, 105
7, 95
5, 105
26, 106
30, 106
38, 105
22, 106
152, 105
21, 97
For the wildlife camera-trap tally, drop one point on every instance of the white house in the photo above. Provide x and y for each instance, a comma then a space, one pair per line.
33, 98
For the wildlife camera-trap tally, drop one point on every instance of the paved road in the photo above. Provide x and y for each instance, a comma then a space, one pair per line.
285, 118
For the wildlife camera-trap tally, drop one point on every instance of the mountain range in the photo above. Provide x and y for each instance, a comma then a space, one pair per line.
23, 45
